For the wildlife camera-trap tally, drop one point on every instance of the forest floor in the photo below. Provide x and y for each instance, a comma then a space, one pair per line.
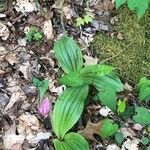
113, 37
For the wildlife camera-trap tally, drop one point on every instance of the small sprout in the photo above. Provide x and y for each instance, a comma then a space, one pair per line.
121, 106
33, 35
82, 21
45, 107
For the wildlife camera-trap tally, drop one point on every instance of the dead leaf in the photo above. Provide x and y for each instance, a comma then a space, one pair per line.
48, 29
127, 132
25, 6
25, 68
112, 147
40, 136
104, 111
16, 96
4, 32
2, 72
11, 58
137, 127
58, 90
68, 12
90, 60
11, 139
29, 120
131, 144
90, 129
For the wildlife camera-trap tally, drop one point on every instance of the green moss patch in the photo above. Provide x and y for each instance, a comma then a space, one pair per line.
131, 56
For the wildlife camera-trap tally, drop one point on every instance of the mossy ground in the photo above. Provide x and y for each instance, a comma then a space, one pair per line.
132, 55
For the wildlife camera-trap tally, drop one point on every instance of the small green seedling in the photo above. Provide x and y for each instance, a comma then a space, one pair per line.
33, 35
82, 21
41, 85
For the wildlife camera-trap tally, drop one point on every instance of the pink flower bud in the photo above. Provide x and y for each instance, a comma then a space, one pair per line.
45, 107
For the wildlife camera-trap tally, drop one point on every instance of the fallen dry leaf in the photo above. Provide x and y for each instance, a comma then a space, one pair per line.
131, 144
4, 32
48, 29
68, 12
40, 136
11, 58
112, 147
29, 120
11, 140
90, 60
25, 6
104, 111
25, 68
90, 129
127, 132
16, 96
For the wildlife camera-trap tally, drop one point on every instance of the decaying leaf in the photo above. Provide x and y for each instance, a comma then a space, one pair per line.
11, 58
16, 96
12, 140
40, 136
90, 130
29, 120
4, 32
48, 29
90, 60
25, 68
25, 6
131, 144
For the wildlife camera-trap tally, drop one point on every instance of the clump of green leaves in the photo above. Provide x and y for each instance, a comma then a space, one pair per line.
70, 104
85, 20
108, 128
144, 89
33, 35
140, 6
142, 116
42, 86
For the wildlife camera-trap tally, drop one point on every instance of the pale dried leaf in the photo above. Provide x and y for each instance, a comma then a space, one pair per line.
90, 130
25, 6
4, 32
40, 136
104, 111
131, 144
11, 140
48, 29
16, 96
25, 68
90, 60
137, 127
29, 120
11, 58
127, 132
112, 147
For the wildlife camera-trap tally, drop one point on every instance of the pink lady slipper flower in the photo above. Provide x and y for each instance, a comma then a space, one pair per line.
45, 107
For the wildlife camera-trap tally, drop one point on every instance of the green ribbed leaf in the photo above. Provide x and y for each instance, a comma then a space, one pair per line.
88, 73
72, 79
139, 5
110, 80
68, 54
68, 109
71, 141
108, 97
119, 3
144, 89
